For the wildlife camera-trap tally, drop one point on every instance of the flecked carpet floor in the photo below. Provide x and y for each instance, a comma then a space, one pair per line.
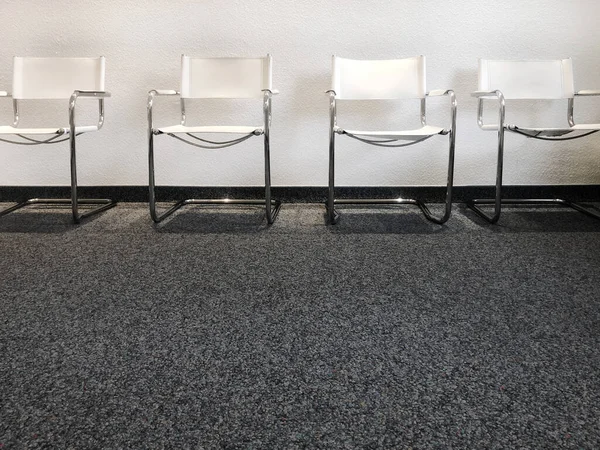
213, 330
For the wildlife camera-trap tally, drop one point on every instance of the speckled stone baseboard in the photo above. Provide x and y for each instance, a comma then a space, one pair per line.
302, 194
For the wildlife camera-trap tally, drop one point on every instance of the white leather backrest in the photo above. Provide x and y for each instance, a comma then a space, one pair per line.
378, 79
225, 77
528, 79
56, 78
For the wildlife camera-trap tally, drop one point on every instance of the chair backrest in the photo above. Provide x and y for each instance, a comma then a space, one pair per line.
354, 79
56, 78
552, 79
225, 77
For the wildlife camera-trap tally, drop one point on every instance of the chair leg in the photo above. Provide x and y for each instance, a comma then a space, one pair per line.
74, 206
539, 201
271, 207
450, 183
104, 203
332, 214
578, 207
497, 201
15, 207
74, 202
157, 218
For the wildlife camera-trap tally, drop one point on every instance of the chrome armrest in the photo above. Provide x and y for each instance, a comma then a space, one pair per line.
496, 94
100, 95
587, 93
571, 105
486, 94
332, 109
162, 92
440, 93
156, 92
267, 99
96, 94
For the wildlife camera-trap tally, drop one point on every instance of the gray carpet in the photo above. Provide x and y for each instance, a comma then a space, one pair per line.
215, 331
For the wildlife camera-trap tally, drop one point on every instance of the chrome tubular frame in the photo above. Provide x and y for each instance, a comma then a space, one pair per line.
499, 163
333, 215
74, 202
272, 207
182, 106
15, 112
497, 201
570, 108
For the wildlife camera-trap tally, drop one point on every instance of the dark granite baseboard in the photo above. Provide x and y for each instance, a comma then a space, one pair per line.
301, 194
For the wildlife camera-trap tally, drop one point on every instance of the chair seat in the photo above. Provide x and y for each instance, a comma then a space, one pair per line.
408, 135
210, 129
554, 132
15, 130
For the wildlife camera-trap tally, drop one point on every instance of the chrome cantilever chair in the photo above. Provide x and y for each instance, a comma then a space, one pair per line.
57, 78
385, 80
503, 80
203, 78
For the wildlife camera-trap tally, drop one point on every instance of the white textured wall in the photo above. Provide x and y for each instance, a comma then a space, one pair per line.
143, 40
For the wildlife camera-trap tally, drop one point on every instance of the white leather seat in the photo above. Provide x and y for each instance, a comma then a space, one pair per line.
7, 129
554, 132
217, 78
55, 79
408, 135
392, 79
505, 80
214, 129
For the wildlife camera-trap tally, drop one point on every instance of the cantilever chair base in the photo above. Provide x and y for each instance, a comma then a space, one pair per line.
473, 204
64, 78
408, 75
211, 78
333, 219
104, 203
275, 204
531, 80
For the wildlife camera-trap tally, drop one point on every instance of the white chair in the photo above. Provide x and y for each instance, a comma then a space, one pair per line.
503, 80
49, 79
385, 80
204, 78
